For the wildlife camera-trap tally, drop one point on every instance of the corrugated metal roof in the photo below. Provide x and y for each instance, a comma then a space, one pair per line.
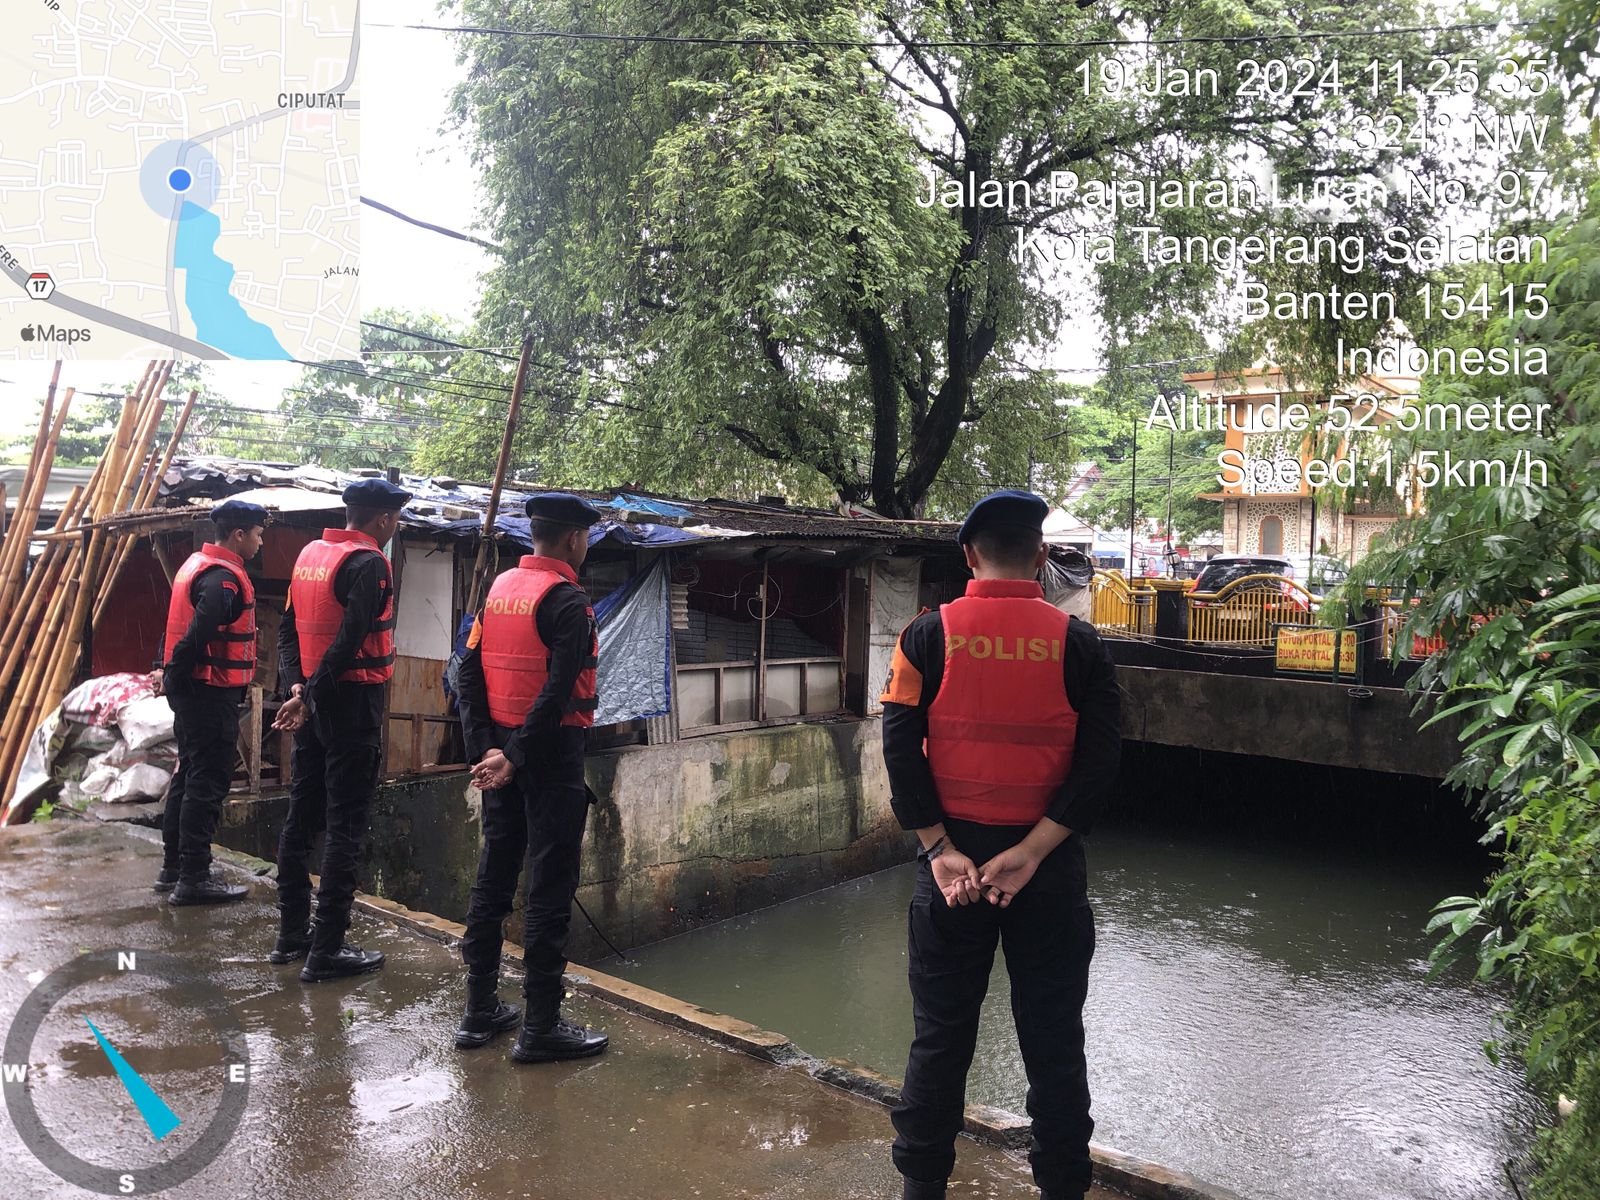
453, 507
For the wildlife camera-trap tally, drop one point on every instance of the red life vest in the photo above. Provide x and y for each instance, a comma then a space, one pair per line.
516, 662
228, 659
1001, 730
318, 613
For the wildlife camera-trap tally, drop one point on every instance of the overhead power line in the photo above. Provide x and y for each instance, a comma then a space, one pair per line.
375, 350
439, 341
379, 377
287, 420
279, 443
956, 43
410, 378
454, 233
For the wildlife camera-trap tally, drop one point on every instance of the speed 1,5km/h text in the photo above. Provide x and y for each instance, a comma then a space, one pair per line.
1423, 471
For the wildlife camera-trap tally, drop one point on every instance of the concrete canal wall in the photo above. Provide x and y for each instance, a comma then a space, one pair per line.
682, 835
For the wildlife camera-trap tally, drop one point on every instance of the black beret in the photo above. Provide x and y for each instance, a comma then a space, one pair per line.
1022, 509
240, 513
376, 493
562, 508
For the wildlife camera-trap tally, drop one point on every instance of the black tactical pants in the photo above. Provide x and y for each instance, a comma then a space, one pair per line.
539, 819
1048, 936
331, 789
206, 726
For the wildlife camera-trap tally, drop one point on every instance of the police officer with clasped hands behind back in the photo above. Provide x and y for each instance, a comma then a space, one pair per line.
210, 652
335, 658
1002, 734
527, 702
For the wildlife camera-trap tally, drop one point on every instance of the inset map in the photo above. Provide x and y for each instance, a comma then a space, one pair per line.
180, 175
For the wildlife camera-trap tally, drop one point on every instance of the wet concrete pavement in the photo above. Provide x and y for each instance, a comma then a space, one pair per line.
355, 1088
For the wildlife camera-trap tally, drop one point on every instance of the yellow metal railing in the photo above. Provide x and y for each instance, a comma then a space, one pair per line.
1248, 611
1121, 607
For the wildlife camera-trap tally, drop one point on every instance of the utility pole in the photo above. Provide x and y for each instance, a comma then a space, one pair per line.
1172, 562
1133, 496
486, 552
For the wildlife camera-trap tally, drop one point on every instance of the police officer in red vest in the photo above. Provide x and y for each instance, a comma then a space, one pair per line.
335, 655
1002, 735
210, 653
527, 702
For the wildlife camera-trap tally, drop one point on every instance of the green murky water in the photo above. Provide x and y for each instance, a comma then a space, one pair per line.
1260, 1018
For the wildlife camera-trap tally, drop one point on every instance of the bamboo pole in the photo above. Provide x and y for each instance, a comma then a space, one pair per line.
43, 603
163, 558
480, 567
14, 550
21, 716
15, 632
121, 544
56, 608
43, 688
143, 498
42, 583
30, 479
21, 719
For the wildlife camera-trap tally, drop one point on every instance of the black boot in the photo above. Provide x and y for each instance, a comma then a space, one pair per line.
166, 881
556, 1042
921, 1189
347, 960
208, 889
288, 948
486, 1013
294, 932
330, 957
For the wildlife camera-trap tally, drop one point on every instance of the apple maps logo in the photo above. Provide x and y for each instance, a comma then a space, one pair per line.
61, 334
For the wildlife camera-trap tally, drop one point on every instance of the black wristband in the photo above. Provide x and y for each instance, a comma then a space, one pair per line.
929, 853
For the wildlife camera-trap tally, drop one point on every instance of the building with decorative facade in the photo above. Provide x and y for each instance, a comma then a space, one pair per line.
1281, 490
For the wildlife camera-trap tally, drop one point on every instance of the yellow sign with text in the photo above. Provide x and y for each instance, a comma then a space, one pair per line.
1312, 650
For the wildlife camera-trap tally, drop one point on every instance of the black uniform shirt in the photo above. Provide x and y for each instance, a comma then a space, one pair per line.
1091, 684
564, 625
362, 585
217, 602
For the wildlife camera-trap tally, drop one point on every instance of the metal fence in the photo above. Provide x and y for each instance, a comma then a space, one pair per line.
1120, 607
1249, 611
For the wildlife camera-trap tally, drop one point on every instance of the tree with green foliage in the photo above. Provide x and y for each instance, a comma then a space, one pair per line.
1510, 577
723, 244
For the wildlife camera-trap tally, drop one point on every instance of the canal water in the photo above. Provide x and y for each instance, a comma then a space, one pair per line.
1258, 1016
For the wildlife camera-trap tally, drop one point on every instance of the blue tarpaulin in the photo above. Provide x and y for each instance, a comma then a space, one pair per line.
634, 678
635, 673
661, 508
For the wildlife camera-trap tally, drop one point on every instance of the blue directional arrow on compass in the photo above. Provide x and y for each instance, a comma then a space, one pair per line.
155, 1111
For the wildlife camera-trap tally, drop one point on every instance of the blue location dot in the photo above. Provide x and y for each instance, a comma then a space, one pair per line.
178, 180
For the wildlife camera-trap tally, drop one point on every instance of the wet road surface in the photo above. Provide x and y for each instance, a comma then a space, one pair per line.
355, 1089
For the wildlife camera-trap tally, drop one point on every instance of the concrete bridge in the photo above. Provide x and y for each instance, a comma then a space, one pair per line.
1248, 671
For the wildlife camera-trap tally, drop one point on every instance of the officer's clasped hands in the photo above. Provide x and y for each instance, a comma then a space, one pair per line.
494, 771
956, 876
292, 713
1006, 874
